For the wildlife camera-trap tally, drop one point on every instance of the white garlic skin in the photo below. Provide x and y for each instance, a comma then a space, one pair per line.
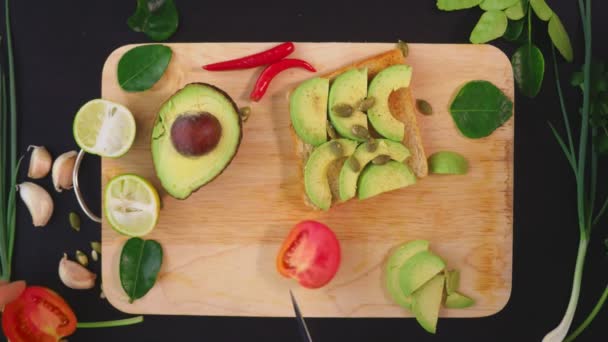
38, 202
62, 171
40, 162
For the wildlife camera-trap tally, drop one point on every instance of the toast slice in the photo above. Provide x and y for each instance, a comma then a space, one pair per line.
401, 104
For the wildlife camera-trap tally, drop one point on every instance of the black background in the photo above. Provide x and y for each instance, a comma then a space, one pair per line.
60, 48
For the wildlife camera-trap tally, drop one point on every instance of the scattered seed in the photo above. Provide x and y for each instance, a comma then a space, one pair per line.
245, 112
336, 148
381, 159
360, 131
424, 107
331, 131
74, 221
343, 109
354, 164
82, 258
96, 246
94, 255
401, 45
372, 145
366, 103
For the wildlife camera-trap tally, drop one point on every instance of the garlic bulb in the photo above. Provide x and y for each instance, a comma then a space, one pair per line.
62, 171
38, 202
40, 162
74, 275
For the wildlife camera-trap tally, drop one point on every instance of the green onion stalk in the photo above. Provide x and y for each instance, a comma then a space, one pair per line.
585, 173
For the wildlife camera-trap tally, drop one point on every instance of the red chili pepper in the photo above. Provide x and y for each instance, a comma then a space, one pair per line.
265, 57
271, 71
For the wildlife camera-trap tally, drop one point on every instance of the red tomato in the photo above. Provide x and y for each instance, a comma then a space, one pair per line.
310, 254
39, 315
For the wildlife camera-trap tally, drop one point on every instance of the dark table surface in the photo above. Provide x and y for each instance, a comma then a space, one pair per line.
60, 48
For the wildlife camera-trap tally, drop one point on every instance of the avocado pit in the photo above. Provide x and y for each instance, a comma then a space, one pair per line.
195, 134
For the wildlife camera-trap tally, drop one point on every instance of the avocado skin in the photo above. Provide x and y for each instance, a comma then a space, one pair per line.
240, 137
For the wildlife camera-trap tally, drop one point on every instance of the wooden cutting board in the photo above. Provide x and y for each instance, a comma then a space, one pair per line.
220, 244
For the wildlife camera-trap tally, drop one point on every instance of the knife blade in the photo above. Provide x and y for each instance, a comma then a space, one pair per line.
304, 333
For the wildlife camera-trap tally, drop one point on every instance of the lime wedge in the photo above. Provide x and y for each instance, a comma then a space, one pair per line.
104, 128
131, 205
448, 163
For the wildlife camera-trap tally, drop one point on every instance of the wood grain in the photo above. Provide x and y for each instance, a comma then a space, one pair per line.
220, 244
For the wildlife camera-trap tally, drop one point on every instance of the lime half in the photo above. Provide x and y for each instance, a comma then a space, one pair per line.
104, 128
131, 205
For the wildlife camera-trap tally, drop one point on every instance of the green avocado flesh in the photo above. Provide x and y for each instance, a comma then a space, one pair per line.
448, 163
377, 179
452, 281
380, 88
426, 303
458, 301
316, 182
399, 256
349, 177
418, 270
348, 88
308, 110
181, 174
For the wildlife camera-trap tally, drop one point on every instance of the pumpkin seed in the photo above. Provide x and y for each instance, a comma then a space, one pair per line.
244, 112
366, 103
82, 258
96, 246
74, 221
336, 148
94, 255
381, 159
401, 45
372, 145
354, 164
424, 107
331, 131
360, 131
343, 109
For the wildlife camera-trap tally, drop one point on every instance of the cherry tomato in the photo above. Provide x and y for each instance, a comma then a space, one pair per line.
310, 254
40, 315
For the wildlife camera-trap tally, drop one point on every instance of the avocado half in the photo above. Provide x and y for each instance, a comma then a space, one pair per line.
196, 135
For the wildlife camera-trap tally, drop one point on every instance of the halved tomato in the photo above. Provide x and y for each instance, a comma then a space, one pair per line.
40, 315
310, 254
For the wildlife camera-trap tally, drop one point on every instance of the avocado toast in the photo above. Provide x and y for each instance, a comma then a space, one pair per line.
368, 103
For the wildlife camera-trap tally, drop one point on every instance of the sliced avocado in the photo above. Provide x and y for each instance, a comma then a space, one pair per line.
308, 110
452, 281
458, 301
448, 163
426, 303
380, 88
196, 134
316, 182
391, 272
418, 270
362, 156
376, 179
349, 88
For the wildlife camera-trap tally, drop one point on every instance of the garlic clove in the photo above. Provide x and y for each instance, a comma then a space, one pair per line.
40, 162
38, 202
74, 275
62, 171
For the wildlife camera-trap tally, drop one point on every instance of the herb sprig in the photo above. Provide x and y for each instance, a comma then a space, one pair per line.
592, 121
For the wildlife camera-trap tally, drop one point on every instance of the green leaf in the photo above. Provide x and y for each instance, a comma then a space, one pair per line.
490, 5
140, 262
528, 69
560, 38
158, 19
141, 67
514, 30
601, 144
453, 5
490, 26
479, 108
542, 10
518, 10
577, 79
